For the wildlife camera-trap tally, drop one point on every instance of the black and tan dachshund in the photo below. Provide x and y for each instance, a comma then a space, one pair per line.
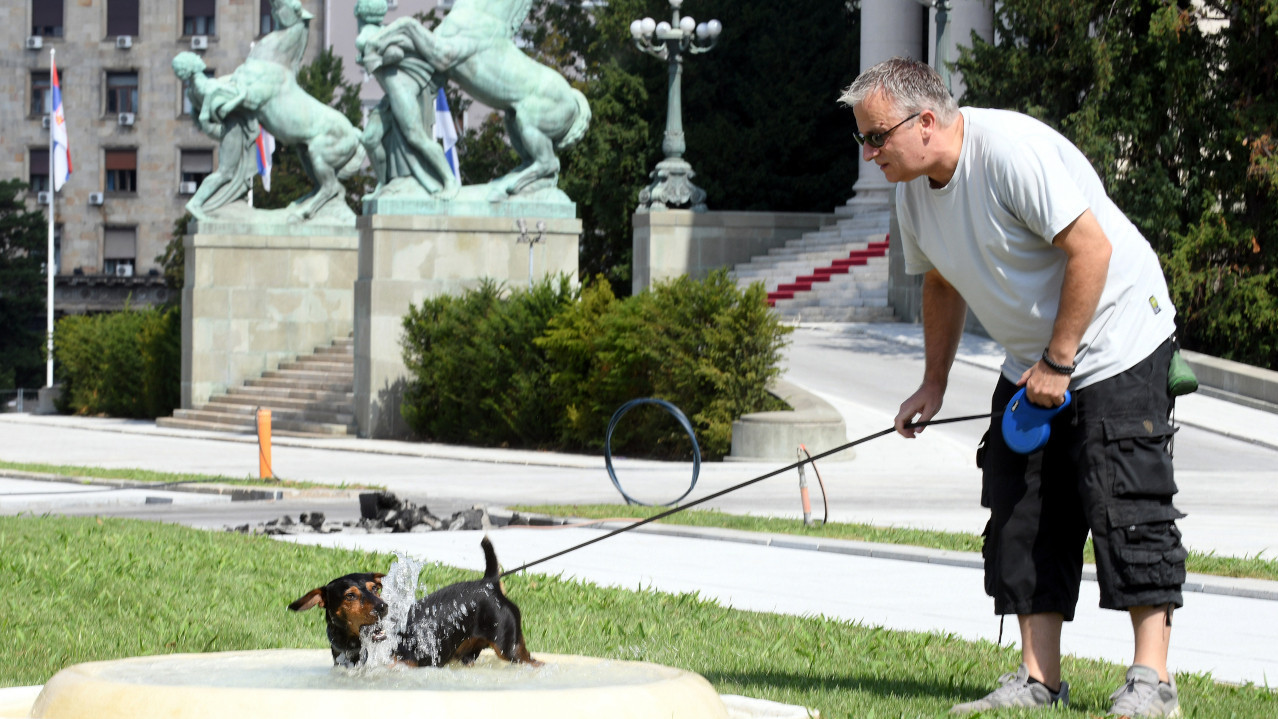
454, 622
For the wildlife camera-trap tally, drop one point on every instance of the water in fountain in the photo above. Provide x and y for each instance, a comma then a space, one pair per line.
399, 591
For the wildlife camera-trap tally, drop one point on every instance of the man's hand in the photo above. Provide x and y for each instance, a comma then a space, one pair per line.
920, 407
1044, 386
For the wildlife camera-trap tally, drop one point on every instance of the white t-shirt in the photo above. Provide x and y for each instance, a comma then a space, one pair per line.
989, 233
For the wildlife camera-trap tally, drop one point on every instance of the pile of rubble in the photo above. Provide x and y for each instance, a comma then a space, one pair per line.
380, 513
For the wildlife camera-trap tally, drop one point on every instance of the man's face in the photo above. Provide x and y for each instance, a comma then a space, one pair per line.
900, 158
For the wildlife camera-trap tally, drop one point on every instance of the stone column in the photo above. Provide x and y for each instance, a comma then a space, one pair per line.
889, 28
965, 16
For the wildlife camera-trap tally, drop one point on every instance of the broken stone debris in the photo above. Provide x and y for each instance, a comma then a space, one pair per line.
380, 513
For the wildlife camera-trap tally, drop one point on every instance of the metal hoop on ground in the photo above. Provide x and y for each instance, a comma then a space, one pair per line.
683, 421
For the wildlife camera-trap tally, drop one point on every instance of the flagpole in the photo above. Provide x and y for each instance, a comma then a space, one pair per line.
53, 203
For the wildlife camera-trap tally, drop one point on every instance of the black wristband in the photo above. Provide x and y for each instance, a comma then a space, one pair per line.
1058, 368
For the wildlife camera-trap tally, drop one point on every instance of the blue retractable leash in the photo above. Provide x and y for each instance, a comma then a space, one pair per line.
1026, 427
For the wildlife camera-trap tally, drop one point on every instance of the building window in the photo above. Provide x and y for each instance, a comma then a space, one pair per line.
198, 17
42, 93
122, 17
122, 92
119, 251
46, 18
39, 177
187, 109
122, 170
267, 22
196, 165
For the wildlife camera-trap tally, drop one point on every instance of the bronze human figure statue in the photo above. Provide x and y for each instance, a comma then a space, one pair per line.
398, 135
236, 133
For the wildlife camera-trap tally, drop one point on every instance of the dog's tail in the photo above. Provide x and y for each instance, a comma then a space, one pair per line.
491, 568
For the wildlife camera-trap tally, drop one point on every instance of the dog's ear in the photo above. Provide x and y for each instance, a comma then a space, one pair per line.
313, 598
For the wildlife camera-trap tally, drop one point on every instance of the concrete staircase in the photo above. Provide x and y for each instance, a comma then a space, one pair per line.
313, 396
835, 274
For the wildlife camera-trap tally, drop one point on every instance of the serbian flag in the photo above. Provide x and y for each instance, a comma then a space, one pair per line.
445, 130
61, 151
265, 147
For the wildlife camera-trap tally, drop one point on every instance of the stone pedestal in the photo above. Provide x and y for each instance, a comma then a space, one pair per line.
405, 259
682, 242
48, 399
259, 295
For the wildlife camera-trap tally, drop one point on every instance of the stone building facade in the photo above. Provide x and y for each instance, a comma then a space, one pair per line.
136, 155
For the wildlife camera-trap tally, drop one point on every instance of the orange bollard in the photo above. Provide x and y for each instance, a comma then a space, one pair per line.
264, 444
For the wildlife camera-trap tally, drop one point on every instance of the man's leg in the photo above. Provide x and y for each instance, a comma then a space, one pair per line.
1152, 627
1041, 647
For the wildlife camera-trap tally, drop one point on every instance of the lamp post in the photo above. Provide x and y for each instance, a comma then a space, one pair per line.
672, 180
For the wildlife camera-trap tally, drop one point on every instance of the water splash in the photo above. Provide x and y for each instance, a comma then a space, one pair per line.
399, 591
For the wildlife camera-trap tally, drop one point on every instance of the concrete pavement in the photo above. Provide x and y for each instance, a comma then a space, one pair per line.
1227, 465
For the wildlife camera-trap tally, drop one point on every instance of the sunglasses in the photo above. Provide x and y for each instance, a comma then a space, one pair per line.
879, 139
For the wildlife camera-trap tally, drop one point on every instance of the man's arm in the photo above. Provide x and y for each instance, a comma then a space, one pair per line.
1087, 251
944, 311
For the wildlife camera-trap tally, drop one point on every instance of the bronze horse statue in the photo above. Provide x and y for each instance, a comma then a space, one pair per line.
474, 46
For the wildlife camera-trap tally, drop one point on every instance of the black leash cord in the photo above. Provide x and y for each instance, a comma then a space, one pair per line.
747, 483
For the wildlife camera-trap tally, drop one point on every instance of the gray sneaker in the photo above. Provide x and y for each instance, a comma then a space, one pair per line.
1016, 690
1144, 696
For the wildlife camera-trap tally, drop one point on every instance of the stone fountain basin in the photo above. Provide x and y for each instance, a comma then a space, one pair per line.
304, 683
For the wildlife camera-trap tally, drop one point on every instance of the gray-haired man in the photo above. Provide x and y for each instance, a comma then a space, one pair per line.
1002, 214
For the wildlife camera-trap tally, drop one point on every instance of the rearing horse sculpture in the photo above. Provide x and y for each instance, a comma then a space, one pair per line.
474, 46
265, 88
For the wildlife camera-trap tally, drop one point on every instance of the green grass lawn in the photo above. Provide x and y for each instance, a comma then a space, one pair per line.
146, 475
1256, 567
82, 589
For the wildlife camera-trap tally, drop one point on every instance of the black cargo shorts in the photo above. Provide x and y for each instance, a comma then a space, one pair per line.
1105, 469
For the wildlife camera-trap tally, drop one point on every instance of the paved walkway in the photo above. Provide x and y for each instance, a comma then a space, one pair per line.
1226, 459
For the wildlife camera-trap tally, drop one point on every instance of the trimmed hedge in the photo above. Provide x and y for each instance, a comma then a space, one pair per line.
547, 368
122, 364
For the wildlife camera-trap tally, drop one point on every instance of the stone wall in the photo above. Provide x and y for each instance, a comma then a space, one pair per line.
252, 301
678, 242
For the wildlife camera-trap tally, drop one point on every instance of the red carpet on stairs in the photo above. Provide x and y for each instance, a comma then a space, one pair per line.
803, 283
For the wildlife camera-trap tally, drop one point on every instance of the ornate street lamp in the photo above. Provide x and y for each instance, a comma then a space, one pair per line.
672, 180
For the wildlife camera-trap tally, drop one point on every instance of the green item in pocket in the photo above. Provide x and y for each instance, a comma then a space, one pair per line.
1180, 377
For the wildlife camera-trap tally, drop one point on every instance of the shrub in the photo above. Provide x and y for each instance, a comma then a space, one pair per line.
122, 364
478, 376
1227, 307
555, 375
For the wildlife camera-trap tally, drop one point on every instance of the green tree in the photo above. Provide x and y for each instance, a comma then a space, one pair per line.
484, 153
763, 129
1177, 114
322, 79
24, 243
173, 259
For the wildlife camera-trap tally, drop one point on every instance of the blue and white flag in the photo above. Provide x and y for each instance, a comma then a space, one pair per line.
447, 131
